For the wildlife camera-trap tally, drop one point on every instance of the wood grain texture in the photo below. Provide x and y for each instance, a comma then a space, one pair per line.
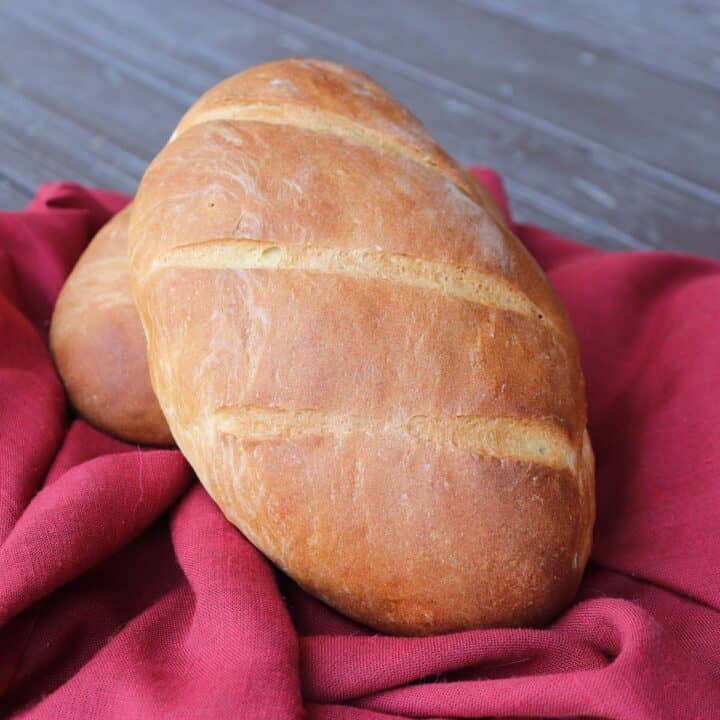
558, 99
543, 79
680, 38
12, 195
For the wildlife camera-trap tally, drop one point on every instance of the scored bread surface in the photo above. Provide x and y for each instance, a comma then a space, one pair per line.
368, 372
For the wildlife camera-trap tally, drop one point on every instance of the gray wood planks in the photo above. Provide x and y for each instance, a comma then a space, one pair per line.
681, 38
655, 118
645, 125
124, 72
13, 196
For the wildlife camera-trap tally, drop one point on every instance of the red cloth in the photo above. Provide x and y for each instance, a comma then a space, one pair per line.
125, 594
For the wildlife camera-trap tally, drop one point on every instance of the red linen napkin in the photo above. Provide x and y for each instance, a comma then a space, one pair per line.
125, 594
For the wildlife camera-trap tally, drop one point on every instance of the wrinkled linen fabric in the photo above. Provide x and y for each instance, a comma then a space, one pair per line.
124, 593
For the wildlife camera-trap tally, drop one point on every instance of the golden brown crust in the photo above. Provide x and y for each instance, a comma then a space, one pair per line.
332, 190
366, 369
331, 97
98, 344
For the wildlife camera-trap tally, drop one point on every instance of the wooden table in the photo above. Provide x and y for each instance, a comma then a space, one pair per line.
603, 116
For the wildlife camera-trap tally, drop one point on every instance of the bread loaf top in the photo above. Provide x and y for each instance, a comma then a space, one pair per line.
367, 370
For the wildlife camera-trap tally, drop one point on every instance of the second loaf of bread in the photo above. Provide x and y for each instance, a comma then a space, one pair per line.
366, 369
98, 344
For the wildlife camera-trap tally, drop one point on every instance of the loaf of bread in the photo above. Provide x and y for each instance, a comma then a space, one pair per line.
368, 372
98, 344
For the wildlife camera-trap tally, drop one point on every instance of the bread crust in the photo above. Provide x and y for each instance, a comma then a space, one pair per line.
98, 344
368, 372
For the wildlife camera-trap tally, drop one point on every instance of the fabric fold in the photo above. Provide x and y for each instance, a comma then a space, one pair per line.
124, 592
